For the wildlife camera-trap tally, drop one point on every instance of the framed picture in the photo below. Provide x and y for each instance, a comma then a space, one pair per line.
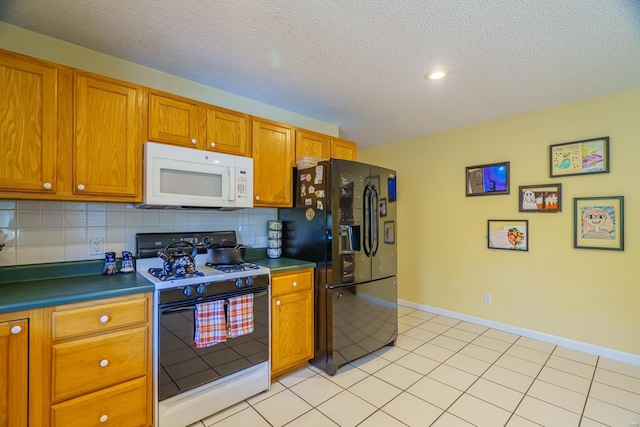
484, 180
383, 207
540, 198
598, 223
389, 232
508, 234
579, 157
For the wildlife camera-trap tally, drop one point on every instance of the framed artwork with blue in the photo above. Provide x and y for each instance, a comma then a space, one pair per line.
489, 179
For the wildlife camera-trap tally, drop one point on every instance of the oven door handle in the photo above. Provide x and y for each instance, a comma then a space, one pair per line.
173, 310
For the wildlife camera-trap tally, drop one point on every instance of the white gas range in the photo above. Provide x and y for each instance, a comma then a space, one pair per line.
192, 382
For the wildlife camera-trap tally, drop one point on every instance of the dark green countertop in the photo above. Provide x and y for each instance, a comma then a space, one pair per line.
24, 287
281, 265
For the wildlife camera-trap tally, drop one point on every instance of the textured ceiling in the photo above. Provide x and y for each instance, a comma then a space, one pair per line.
360, 64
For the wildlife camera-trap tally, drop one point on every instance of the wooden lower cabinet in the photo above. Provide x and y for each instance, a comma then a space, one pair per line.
14, 370
292, 329
101, 363
122, 405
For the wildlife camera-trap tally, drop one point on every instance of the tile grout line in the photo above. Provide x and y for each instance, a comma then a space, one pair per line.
586, 399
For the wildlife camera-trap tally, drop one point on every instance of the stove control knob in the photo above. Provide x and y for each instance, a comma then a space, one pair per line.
187, 291
249, 281
201, 289
239, 283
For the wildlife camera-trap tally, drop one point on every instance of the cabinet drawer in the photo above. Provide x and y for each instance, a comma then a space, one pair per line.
89, 364
103, 317
123, 405
293, 282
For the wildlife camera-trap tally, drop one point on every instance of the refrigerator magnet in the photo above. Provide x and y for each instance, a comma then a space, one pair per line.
310, 214
308, 202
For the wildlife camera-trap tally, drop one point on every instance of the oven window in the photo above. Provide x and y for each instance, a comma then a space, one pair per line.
183, 366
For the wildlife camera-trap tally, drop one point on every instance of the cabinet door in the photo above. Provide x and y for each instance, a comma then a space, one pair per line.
292, 330
312, 144
107, 143
14, 373
226, 131
273, 153
343, 149
173, 120
27, 125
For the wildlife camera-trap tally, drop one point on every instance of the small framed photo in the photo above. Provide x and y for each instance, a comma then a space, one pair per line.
579, 157
490, 179
598, 223
540, 198
383, 207
508, 234
389, 232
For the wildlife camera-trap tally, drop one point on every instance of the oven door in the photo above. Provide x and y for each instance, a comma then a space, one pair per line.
183, 367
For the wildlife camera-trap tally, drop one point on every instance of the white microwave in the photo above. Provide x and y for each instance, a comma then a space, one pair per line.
177, 177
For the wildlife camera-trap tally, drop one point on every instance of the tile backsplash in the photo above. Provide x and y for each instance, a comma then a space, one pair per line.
42, 231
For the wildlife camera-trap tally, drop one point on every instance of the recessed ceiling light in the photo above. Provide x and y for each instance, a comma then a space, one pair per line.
437, 75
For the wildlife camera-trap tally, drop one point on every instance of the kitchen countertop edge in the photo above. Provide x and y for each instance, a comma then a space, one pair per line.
41, 292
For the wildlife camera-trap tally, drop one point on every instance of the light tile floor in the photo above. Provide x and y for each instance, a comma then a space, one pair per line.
448, 373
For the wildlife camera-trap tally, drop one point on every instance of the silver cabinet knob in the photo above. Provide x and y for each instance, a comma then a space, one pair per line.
104, 363
80, 187
103, 418
294, 284
104, 319
213, 144
47, 186
15, 330
278, 302
194, 141
257, 197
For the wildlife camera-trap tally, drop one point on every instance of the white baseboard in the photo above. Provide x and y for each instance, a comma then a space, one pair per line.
621, 356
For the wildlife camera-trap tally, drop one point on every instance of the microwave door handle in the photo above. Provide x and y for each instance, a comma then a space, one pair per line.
232, 185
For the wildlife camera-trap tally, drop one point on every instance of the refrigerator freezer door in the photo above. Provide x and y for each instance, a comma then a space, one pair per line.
364, 319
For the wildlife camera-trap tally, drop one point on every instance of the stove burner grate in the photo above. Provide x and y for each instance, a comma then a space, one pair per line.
161, 274
233, 268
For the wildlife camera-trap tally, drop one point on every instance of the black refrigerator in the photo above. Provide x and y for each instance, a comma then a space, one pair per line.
344, 220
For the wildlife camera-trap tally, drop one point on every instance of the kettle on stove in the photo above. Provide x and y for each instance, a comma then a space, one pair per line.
178, 262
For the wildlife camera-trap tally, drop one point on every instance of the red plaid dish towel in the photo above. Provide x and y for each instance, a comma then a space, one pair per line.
240, 315
210, 324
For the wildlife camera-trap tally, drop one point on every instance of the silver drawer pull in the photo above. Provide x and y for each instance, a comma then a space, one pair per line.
103, 418
278, 302
104, 319
15, 330
295, 284
104, 363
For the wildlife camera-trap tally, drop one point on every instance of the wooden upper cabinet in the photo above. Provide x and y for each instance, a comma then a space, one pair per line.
225, 131
273, 160
343, 149
312, 144
27, 124
108, 138
173, 120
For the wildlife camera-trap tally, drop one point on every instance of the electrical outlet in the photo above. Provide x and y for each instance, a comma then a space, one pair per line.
95, 246
487, 298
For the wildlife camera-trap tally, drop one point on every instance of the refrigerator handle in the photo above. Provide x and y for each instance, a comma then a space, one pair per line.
375, 220
366, 206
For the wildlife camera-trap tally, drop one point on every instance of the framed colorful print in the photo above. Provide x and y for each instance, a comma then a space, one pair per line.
540, 198
598, 223
389, 232
508, 234
579, 157
485, 180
